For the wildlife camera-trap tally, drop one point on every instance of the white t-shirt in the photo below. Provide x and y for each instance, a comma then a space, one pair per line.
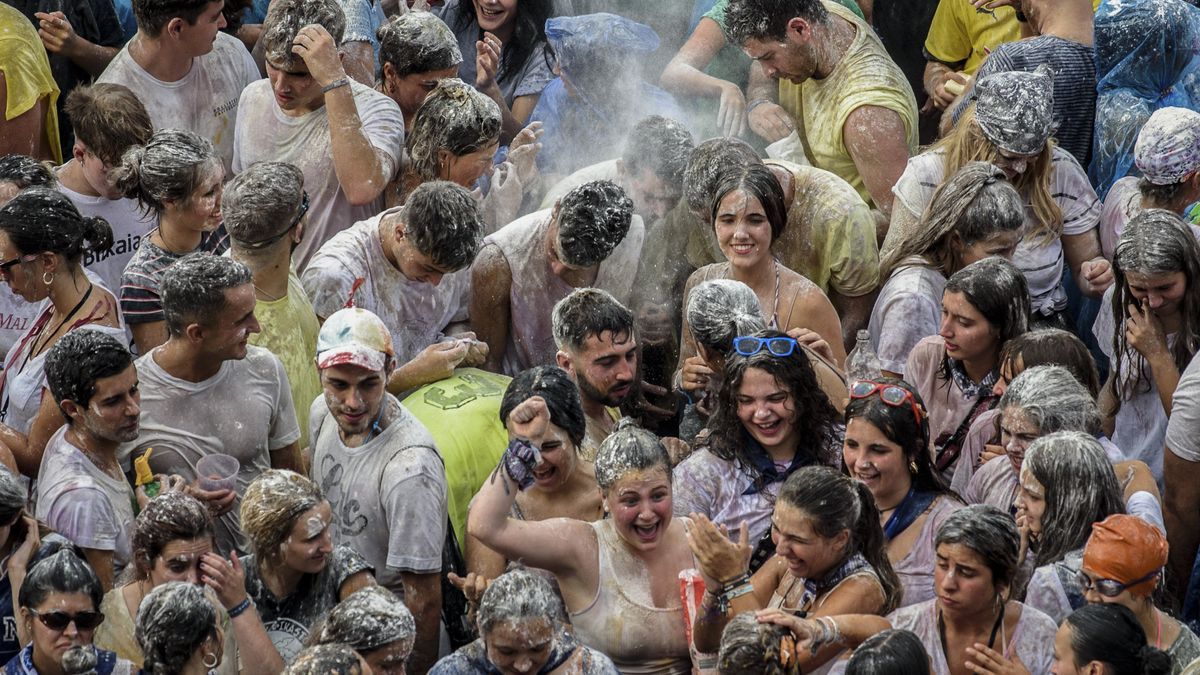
415, 312
1042, 263
908, 309
1181, 435
129, 225
204, 101
388, 494
265, 133
1140, 426
84, 504
245, 410
16, 316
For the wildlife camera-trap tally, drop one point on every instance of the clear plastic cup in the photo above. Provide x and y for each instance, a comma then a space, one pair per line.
217, 472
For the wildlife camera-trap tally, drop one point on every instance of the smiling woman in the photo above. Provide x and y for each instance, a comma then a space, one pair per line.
618, 576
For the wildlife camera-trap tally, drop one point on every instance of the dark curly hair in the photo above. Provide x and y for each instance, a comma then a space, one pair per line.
815, 415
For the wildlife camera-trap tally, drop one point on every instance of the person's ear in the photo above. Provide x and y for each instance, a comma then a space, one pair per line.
78, 151
49, 261
798, 28
563, 360
194, 332
174, 27
71, 409
445, 157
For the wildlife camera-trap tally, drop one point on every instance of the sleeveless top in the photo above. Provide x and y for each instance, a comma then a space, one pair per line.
536, 289
621, 621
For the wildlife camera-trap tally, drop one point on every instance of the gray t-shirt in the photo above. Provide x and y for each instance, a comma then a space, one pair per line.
245, 410
1182, 439
909, 308
388, 495
289, 620
82, 503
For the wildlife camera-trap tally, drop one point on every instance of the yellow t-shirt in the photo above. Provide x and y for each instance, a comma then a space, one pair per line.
289, 331
960, 33
26, 69
866, 75
462, 413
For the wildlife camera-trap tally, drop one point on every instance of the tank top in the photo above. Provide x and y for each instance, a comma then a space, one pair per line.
536, 289
639, 638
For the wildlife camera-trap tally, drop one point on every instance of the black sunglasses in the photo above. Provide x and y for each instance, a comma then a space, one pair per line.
59, 620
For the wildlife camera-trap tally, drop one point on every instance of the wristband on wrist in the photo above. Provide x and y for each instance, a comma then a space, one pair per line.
240, 608
340, 82
755, 103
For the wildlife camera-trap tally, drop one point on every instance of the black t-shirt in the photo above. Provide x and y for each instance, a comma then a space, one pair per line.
93, 20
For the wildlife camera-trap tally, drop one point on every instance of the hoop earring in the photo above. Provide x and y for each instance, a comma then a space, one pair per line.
205, 662
47, 278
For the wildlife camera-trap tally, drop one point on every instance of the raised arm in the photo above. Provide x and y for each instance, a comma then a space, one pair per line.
565, 547
685, 75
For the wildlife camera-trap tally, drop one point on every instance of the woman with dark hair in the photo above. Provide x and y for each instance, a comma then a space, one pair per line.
564, 483
1106, 638
1048, 346
178, 176
887, 448
296, 574
748, 215
831, 558
19, 541
752, 646
1123, 564
1150, 329
985, 304
178, 631
502, 45
416, 51
771, 419
1067, 484
717, 311
60, 600
18, 172
977, 559
892, 652
43, 241
173, 541
619, 576
973, 215
374, 623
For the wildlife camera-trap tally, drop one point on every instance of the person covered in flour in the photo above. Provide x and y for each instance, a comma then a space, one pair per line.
408, 267
380, 470
590, 238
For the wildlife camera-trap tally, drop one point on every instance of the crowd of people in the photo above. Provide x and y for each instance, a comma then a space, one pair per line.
579, 337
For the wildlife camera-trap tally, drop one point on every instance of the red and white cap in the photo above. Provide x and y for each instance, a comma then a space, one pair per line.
354, 337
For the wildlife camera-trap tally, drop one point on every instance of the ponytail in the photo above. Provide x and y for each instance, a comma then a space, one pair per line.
97, 234
868, 535
127, 177
41, 219
1155, 661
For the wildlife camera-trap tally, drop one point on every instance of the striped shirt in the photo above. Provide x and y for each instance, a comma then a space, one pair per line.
140, 298
1074, 84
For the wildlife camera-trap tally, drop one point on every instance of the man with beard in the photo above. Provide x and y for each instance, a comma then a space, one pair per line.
596, 346
380, 470
265, 210
82, 493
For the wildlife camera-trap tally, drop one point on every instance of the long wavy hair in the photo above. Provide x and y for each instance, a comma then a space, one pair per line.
975, 204
529, 34
966, 143
1080, 487
815, 415
1155, 242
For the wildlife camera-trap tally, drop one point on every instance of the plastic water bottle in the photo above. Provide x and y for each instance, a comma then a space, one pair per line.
863, 363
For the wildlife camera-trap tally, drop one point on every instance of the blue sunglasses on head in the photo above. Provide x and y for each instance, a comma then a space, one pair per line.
749, 345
